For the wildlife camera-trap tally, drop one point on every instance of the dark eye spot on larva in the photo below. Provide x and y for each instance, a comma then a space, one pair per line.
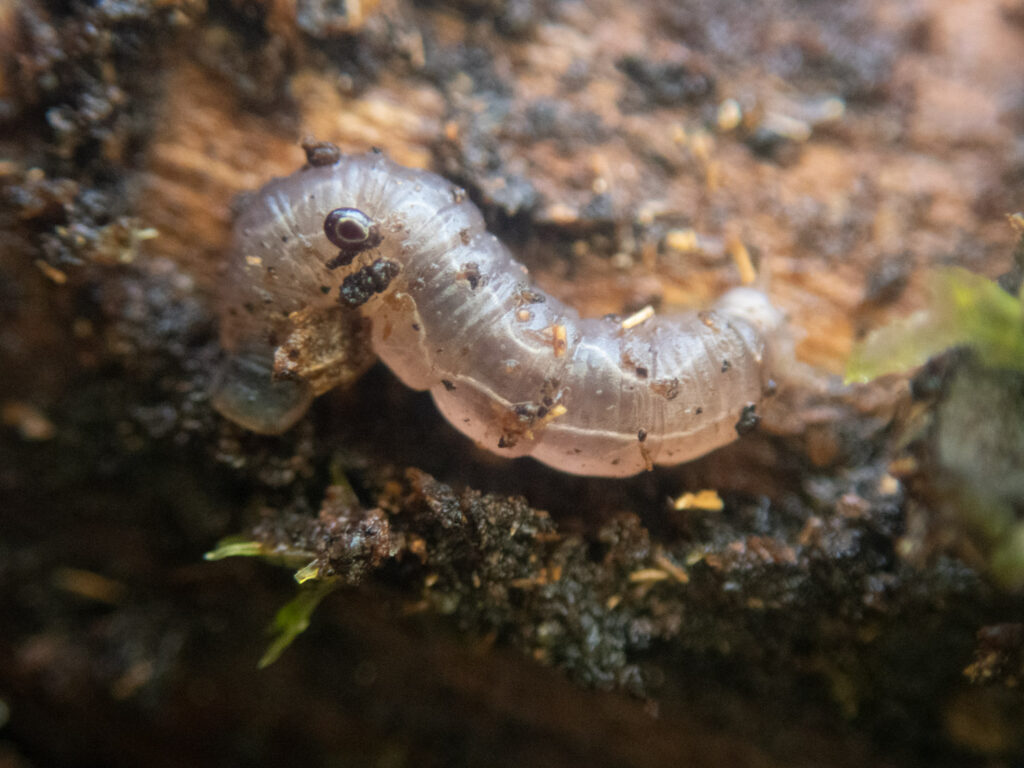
352, 231
641, 372
726, 365
448, 385
748, 420
641, 435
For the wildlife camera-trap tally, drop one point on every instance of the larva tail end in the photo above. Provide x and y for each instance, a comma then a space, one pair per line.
753, 306
245, 392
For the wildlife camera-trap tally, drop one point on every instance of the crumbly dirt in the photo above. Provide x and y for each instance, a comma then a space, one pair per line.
494, 612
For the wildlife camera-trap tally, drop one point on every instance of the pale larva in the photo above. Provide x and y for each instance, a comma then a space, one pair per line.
449, 310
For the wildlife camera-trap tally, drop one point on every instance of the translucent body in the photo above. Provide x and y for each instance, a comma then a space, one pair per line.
516, 370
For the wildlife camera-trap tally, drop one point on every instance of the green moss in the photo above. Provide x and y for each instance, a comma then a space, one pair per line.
1007, 559
977, 435
276, 554
964, 309
235, 546
293, 618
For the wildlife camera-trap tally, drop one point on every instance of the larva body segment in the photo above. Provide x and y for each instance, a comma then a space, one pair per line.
449, 310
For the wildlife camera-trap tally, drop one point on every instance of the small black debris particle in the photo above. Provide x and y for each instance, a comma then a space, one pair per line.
343, 259
748, 420
470, 272
888, 280
664, 83
358, 287
448, 385
526, 295
599, 208
320, 153
726, 365
667, 388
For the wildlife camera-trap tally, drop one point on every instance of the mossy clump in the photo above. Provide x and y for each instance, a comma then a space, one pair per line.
965, 310
974, 448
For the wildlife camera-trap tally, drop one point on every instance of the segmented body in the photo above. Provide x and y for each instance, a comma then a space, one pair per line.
451, 311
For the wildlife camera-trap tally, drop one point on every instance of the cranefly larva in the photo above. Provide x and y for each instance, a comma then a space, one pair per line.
356, 241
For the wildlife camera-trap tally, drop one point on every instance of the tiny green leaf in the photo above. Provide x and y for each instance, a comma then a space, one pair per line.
293, 618
235, 546
307, 573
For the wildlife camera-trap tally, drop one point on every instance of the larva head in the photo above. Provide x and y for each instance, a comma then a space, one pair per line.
352, 231
246, 392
